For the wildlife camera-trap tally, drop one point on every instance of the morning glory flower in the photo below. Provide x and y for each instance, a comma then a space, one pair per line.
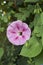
18, 32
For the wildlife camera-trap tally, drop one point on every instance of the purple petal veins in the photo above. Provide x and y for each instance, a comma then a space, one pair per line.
18, 32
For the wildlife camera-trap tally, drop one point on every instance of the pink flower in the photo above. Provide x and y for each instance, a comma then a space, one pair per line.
18, 32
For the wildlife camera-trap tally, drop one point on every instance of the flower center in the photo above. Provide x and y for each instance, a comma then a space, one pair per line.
20, 33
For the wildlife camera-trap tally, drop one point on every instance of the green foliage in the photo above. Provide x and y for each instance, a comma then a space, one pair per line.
30, 12
42, 39
31, 0
39, 59
42, 18
1, 52
37, 26
22, 60
33, 49
1, 29
24, 12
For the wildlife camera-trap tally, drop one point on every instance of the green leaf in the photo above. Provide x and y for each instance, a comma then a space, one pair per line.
42, 39
33, 49
37, 31
1, 29
38, 20
10, 3
38, 25
31, 0
21, 16
1, 52
39, 59
42, 36
5, 19
24, 12
42, 26
42, 18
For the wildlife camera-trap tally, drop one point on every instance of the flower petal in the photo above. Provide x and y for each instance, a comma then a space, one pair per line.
19, 40
27, 34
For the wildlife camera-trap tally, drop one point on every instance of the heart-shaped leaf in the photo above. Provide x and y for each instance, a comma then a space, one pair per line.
32, 49
39, 59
